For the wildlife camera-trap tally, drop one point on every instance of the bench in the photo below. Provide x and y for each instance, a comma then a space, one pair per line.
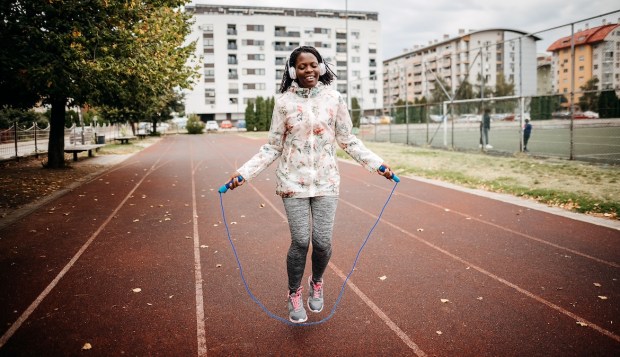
141, 135
75, 149
124, 139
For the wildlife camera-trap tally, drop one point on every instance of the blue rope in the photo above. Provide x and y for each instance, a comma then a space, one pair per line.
286, 321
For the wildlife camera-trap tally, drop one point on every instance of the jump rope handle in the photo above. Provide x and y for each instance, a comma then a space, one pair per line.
394, 177
225, 187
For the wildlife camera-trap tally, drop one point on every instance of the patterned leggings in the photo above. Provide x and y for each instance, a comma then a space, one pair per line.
312, 216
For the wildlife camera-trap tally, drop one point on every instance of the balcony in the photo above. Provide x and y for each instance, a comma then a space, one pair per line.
231, 32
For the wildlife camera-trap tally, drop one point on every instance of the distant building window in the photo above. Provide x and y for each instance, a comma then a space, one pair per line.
256, 28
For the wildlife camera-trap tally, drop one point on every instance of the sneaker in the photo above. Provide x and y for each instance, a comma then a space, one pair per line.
315, 298
489, 146
296, 311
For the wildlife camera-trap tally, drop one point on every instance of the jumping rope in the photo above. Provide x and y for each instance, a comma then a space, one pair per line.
225, 188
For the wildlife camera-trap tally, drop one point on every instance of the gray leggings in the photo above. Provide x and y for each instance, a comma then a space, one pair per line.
319, 211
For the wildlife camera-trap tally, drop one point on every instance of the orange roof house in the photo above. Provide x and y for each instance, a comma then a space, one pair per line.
586, 66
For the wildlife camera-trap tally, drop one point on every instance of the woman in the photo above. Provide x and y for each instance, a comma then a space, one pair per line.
309, 118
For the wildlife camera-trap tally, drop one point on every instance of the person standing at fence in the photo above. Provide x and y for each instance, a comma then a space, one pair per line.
308, 120
485, 126
527, 131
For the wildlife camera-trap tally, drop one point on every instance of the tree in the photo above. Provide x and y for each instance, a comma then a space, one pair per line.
73, 52
250, 117
356, 112
437, 94
608, 105
503, 88
589, 98
261, 113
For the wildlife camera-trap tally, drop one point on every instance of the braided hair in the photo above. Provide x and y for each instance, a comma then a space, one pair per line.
326, 79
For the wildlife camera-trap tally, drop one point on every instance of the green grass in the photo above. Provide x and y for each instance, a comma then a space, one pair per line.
572, 185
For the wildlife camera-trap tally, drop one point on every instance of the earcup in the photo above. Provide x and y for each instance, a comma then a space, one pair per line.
292, 73
322, 69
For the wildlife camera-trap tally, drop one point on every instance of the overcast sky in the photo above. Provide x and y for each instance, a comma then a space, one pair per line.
405, 23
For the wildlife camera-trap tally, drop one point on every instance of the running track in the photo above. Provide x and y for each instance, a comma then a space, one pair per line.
463, 274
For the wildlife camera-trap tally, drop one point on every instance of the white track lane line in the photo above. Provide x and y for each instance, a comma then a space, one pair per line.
201, 333
26, 314
527, 293
539, 240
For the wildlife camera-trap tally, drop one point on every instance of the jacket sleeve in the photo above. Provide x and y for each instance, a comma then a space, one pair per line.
269, 152
350, 143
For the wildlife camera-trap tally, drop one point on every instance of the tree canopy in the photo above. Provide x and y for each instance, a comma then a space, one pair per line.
127, 56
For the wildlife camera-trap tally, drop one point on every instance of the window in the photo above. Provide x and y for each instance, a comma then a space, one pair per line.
256, 28
254, 71
253, 42
581, 68
355, 35
256, 57
256, 86
355, 59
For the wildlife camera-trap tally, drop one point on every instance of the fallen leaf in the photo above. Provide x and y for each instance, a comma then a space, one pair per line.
218, 265
215, 225
438, 332
136, 290
445, 300
233, 222
597, 284
87, 346
262, 205
479, 298
149, 304
136, 220
602, 297
204, 246
383, 277
581, 323
420, 229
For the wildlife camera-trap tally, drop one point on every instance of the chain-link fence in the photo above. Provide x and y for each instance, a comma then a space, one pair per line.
550, 93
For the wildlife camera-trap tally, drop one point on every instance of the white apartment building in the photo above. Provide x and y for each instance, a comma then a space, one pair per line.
244, 50
474, 56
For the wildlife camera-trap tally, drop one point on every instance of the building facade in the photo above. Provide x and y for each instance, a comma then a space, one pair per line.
244, 50
596, 53
477, 56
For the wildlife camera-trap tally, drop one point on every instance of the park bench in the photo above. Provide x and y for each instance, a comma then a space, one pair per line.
124, 139
75, 149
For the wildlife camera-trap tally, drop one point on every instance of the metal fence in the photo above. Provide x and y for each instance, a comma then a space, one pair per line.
565, 80
17, 141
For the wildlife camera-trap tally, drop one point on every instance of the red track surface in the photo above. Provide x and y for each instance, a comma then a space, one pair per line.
516, 281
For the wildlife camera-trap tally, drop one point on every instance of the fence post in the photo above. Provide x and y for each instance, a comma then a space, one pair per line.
15, 139
36, 148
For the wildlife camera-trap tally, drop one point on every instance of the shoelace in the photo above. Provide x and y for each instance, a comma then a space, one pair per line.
296, 299
316, 289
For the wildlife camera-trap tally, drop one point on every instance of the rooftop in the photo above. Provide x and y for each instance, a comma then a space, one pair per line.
281, 11
593, 35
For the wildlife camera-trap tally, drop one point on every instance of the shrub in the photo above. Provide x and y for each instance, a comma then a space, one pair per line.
194, 125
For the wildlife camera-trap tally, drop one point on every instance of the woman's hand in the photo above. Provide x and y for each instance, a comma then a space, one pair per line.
387, 173
234, 182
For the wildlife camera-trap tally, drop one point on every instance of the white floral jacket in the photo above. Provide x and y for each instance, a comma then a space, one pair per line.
305, 126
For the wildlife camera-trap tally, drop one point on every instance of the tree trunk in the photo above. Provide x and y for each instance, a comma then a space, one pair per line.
56, 144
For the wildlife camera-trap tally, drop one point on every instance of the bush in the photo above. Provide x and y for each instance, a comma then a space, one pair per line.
194, 125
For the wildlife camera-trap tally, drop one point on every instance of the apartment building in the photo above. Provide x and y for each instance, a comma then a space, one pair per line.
594, 50
478, 56
244, 50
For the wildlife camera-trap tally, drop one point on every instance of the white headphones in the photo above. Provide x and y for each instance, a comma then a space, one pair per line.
293, 73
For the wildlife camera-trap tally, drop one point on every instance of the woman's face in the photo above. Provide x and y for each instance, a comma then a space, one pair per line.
307, 69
